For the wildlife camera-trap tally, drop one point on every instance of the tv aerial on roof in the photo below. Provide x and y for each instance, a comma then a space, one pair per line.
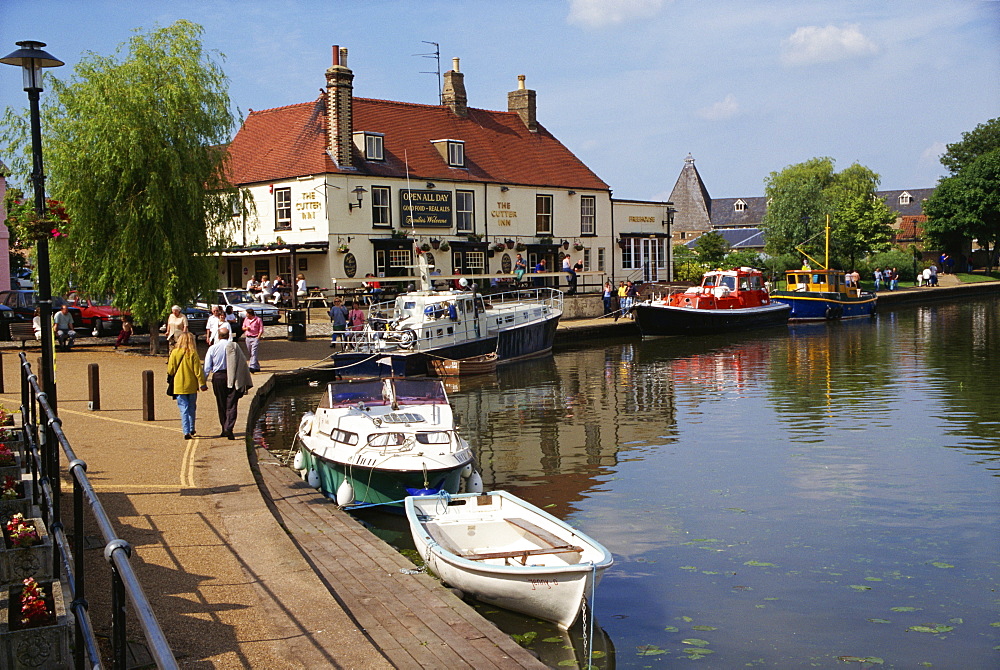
436, 55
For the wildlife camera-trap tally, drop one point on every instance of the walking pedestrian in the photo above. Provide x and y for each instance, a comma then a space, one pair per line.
233, 321
338, 319
177, 323
253, 330
893, 279
226, 366
356, 317
877, 275
212, 325
185, 367
606, 297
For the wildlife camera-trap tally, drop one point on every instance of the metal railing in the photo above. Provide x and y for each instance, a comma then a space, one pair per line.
44, 437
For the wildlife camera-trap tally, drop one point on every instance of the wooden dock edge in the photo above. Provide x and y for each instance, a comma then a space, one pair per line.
412, 619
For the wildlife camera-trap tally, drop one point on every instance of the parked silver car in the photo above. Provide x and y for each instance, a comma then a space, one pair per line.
241, 299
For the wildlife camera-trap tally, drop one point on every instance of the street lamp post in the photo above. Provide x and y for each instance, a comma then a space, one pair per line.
668, 221
32, 59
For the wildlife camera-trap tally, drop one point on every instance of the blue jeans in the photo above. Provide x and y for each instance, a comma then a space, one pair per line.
188, 404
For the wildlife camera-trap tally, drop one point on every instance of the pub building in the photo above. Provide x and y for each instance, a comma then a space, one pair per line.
343, 187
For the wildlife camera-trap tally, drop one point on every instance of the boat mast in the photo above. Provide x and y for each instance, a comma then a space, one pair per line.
826, 264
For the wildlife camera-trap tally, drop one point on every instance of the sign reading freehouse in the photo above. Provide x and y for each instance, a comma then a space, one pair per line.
427, 209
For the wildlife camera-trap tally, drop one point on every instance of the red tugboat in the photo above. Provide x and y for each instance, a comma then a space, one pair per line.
727, 300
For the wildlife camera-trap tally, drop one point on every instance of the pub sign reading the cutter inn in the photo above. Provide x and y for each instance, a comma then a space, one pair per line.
426, 209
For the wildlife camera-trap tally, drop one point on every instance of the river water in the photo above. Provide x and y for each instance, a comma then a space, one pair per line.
810, 496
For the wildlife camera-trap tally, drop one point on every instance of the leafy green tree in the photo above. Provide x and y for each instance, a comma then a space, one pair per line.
966, 206
743, 258
802, 196
711, 248
982, 139
132, 152
797, 205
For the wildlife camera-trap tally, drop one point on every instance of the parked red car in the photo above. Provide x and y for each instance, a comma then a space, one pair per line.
99, 316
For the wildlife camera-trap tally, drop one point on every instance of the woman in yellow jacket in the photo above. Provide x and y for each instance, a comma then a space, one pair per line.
189, 377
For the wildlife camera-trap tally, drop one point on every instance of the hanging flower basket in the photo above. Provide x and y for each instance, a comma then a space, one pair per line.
343, 248
27, 550
28, 227
445, 246
34, 627
520, 246
425, 247
499, 246
578, 247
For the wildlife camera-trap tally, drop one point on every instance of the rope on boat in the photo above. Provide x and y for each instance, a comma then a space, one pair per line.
589, 624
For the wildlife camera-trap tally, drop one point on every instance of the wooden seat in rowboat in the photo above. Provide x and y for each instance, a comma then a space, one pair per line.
538, 532
524, 553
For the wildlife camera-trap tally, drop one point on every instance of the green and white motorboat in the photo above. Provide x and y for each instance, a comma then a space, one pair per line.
376, 441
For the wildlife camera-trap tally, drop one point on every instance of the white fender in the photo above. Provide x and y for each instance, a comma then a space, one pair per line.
299, 460
475, 483
306, 423
312, 479
467, 471
345, 493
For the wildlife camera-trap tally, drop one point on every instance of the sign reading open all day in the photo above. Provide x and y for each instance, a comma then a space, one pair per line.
426, 209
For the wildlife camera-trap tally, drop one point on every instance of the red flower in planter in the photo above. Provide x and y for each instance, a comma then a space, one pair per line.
34, 611
9, 490
21, 533
6, 456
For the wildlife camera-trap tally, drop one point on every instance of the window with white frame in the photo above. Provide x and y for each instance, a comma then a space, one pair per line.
639, 252
399, 258
374, 147
905, 198
465, 212
381, 214
600, 259
586, 260
739, 206
283, 209
456, 154
543, 214
588, 215
475, 262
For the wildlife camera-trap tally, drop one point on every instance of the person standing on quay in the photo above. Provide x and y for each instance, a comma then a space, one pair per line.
878, 279
338, 321
177, 323
253, 329
606, 297
189, 378
227, 367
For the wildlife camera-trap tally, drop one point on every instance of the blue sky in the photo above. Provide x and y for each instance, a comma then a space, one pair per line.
630, 86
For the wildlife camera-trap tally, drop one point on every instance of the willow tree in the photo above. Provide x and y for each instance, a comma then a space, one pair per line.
802, 197
133, 152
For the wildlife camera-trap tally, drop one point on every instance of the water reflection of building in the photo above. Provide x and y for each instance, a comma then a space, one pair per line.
565, 421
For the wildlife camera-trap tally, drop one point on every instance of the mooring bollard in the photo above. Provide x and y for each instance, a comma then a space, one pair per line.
147, 395
1, 373
94, 386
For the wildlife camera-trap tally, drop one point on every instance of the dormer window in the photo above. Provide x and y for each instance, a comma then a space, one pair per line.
905, 198
452, 151
740, 206
371, 145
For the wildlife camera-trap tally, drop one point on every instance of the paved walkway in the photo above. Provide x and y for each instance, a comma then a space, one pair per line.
227, 584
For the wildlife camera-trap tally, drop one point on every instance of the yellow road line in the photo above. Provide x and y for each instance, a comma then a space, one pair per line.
95, 415
187, 463
164, 488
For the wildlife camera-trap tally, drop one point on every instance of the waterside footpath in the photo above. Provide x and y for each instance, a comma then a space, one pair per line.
222, 541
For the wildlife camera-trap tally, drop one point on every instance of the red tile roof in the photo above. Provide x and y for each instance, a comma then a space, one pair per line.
288, 142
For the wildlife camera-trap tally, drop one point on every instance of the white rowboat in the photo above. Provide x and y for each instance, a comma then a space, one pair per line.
507, 552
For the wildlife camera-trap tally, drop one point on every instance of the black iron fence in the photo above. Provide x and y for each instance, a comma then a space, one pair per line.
44, 440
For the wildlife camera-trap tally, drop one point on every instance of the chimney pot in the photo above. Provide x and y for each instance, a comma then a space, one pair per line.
522, 101
343, 56
336, 55
520, 82
454, 64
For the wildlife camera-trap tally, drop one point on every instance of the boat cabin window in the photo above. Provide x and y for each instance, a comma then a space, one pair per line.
750, 282
343, 436
342, 395
386, 439
729, 282
709, 280
419, 391
436, 437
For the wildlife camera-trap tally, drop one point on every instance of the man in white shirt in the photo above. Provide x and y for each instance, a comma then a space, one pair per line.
212, 325
215, 372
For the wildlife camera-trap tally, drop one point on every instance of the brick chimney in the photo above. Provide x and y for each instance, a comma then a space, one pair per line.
453, 95
339, 108
522, 101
